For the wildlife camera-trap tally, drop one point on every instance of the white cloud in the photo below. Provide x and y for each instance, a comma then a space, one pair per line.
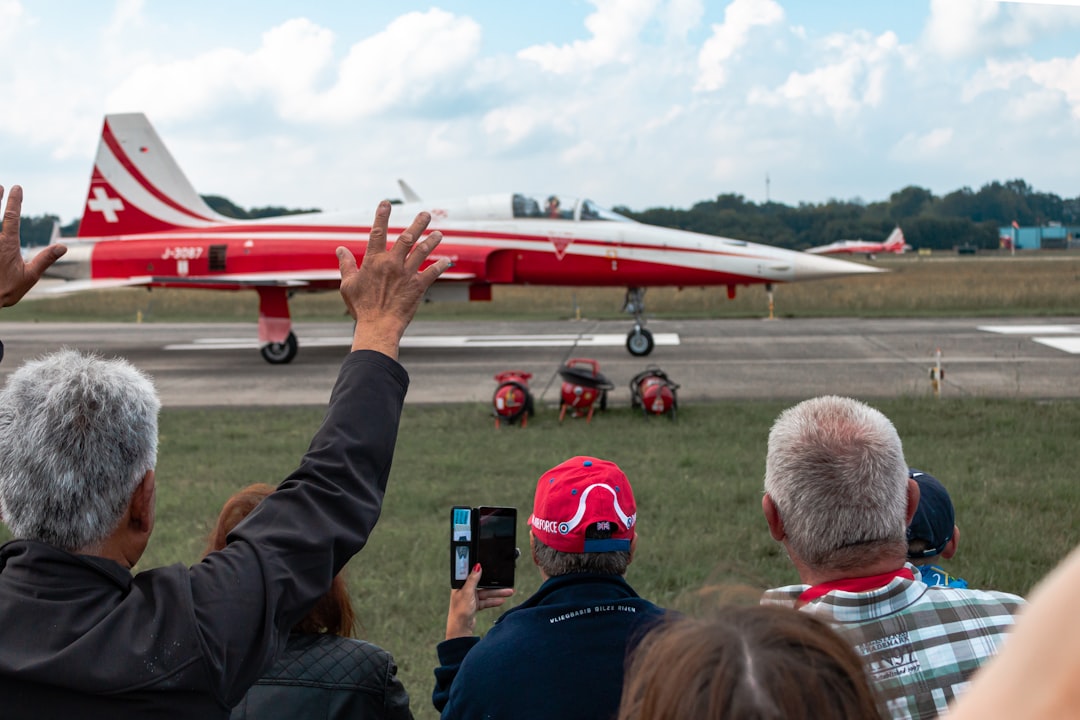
996, 75
853, 81
510, 125
585, 151
11, 17
430, 52
971, 28
615, 27
740, 17
958, 27
1032, 107
662, 121
921, 147
1059, 77
127, 16
682, 16
294, 57
442, 145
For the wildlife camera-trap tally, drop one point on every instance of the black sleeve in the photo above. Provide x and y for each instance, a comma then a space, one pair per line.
283, 557
396, 705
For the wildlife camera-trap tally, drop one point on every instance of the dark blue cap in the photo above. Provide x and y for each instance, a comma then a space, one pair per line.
934, 517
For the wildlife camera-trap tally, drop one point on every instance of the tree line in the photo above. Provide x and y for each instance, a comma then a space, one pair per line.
964, 217
961, 218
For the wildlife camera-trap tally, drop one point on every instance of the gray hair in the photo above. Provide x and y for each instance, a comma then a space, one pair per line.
835, 471
555, 562
77, 435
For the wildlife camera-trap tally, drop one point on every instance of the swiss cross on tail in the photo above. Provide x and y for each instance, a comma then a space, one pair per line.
560, 243
102, 203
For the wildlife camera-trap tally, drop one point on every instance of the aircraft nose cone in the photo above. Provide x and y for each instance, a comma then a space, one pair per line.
818, 267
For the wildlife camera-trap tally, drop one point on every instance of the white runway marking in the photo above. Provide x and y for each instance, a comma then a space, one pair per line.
1067, 340
1032, 329
1068, 344
444, 341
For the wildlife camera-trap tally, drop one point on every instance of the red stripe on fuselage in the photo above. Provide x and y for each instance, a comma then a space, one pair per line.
311, 233
186, 256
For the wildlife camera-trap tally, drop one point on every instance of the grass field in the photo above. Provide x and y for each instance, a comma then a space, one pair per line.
1009, 465
940, 285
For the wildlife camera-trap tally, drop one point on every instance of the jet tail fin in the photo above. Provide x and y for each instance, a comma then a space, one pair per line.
136, 185
895, 242
408, 192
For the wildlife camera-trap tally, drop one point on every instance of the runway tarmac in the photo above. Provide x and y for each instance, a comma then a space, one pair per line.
219, 364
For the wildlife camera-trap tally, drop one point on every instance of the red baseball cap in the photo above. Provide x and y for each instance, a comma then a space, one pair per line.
584, 505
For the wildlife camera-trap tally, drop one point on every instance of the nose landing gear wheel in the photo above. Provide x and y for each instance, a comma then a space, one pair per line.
639, 342
282, 352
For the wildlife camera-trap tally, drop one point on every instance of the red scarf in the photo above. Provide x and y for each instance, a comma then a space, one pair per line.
855, 585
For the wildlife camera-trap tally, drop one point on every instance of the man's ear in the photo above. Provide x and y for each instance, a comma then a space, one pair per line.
950, 547
141, 509
532, 548
633, 548
912, 500
772, 517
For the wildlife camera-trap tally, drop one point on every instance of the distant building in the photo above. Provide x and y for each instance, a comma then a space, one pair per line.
1051, 237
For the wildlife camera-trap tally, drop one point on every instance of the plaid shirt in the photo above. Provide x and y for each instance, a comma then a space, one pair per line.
922, 644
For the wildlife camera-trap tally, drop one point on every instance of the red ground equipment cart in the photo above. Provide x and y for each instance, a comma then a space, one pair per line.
512, 399
583, 386
654, 392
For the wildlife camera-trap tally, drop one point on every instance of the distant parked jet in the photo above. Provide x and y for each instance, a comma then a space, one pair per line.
893, 244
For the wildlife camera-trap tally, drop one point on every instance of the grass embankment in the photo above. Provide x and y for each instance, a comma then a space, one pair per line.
1009, 465
1043, 284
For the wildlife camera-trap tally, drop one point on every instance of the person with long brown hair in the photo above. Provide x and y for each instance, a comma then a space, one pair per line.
324, 671
747, 663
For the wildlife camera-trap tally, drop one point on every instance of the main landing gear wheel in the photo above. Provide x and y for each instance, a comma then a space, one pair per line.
639, 342
282, 352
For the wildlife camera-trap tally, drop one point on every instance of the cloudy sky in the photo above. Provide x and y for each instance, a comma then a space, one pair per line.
634, 102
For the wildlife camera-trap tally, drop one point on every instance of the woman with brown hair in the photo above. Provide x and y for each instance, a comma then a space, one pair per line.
323, 672
747, 663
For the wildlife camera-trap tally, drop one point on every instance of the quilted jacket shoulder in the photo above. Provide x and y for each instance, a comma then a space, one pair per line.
327, 677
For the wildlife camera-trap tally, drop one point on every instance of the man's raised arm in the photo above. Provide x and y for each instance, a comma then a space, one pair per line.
283, 556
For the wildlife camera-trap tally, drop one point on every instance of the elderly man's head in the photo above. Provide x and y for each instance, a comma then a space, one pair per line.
78, 436
836, 475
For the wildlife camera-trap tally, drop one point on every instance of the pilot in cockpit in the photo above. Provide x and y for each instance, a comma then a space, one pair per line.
553, 207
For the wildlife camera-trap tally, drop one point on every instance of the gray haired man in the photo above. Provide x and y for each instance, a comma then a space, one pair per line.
82, 637
838, 496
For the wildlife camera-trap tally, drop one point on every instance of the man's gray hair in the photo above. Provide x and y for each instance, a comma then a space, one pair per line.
77, 435
835, 471
555, 562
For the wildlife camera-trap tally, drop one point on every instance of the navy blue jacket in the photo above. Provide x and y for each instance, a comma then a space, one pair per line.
560, 654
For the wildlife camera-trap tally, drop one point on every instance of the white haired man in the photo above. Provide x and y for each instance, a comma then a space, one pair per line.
80, 636
838, 496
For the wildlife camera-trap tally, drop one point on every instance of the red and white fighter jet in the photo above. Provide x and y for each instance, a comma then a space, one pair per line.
893, 244
145, 225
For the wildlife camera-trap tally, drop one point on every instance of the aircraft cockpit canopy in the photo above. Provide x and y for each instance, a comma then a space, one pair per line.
562, 207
